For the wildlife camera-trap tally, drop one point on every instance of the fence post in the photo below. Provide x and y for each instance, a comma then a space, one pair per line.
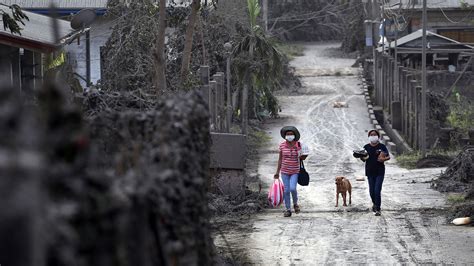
404, 107
204, 70
212, 104
418, 118
221, 100
228, 106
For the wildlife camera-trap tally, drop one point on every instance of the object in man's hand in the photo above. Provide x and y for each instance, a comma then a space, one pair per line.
360, 178
360, 153
382, 157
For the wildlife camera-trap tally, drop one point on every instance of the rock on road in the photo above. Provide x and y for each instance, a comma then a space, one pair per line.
411, 229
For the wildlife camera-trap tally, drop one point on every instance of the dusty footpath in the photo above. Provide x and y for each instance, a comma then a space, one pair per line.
412, 228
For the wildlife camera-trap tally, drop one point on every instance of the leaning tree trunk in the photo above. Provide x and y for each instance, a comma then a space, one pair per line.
188, 41
159, 78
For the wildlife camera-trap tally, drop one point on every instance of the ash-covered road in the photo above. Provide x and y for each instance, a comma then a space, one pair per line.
411, 229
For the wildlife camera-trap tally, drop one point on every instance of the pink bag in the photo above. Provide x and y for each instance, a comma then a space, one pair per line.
275, 194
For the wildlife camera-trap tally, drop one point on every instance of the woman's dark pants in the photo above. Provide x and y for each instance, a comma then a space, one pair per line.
375, 189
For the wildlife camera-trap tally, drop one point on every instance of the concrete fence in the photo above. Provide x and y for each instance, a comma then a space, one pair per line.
228, 151
397, 99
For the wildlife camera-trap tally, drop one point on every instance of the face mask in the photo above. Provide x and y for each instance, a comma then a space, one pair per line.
290, 137
373, 139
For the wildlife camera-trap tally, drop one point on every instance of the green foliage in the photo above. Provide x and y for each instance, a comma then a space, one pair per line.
461, 113
464, 4
10, 22
456, 198
254, 11
258, 62
408, 160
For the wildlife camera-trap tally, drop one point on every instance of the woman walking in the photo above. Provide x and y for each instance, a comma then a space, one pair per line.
291, 152
377, 154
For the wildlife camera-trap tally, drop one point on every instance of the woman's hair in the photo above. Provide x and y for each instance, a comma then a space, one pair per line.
373, 130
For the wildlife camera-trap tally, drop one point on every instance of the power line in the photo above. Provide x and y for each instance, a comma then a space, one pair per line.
334, 9
455, 22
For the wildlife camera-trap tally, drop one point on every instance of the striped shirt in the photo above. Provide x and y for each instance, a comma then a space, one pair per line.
290, 163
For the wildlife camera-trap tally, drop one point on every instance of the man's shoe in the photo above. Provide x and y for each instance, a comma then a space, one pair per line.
297, 208
377, 213
287, 213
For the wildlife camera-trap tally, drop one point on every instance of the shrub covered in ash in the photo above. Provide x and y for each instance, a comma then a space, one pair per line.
459, 176
118, 188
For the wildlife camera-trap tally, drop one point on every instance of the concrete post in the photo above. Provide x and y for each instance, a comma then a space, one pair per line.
204, 70
404, 106
396, 115
221, 100
218, 78
213, 105
384, 82
412, 111
419, 122
206, 94
229, 96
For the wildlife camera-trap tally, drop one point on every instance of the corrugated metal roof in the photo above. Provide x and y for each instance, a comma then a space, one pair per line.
430, 3
431, 36
38, 29
63, 4
419, 34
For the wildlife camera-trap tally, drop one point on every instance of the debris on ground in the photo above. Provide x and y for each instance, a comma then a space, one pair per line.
340, 105
459, 175
432, 161
462, 221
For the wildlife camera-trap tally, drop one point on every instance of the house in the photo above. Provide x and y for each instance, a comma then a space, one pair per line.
442, 51
449, 18
85, 62
22, 56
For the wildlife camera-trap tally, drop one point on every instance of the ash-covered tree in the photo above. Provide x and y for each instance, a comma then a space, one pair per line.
12, 19
259, 65
159, 78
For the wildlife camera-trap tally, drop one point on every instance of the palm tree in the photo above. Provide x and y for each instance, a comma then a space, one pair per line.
258, 64
11, 22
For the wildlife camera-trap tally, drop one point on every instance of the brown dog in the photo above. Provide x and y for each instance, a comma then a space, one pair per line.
343, 185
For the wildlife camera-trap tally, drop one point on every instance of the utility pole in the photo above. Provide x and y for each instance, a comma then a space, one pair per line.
423, 85
381, 90
397, 74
